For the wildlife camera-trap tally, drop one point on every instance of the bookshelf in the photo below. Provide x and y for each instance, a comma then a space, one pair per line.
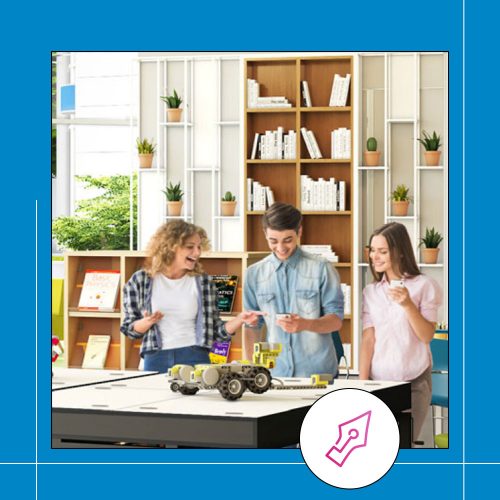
123, 352
282, 77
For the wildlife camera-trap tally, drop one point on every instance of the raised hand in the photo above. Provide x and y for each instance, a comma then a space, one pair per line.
147, 321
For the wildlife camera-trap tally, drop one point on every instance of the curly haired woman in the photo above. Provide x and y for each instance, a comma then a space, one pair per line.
171, 303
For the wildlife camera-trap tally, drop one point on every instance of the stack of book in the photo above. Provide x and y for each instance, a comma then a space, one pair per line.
259, 197
340, 90
341, 144
256, 101
346, 290
311, 143
322, 195
274, 145
322, 250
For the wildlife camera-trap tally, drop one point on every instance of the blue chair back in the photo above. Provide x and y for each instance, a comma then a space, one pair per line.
439, 350
440, 389
339, 349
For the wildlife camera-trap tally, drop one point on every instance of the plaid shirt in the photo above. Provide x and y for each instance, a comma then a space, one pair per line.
137, 298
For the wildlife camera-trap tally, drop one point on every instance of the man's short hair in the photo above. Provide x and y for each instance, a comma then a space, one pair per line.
281, 217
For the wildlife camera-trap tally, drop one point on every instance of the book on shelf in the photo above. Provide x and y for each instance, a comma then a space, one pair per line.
346, 291
306, 96
254, 100
341, 192
314, 144
219, 352
307, 141
340, 90
341, 144
269, 196
324, 251
226, 286
96, 351
255, 146
320, 195
274, 145
99, 290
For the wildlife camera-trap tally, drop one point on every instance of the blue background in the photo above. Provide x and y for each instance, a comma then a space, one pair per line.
28, 36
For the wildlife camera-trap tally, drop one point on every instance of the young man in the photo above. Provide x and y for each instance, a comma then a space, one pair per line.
304, 287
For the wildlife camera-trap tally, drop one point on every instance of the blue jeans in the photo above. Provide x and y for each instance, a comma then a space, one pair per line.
161, 361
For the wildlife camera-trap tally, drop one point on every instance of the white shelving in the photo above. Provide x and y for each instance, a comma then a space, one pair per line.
400, 95
202, 151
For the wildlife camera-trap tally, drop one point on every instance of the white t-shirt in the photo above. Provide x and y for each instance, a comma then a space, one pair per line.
178, 301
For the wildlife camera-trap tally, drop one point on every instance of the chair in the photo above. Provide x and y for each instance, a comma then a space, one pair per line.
339, 349
439, 349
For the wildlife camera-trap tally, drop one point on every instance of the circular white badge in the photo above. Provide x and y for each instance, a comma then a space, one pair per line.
349, 438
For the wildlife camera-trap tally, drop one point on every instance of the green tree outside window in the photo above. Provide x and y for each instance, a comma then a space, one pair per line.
102, 222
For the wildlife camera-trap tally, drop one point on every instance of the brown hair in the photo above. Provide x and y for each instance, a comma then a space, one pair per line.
166, 240
400, 249
282, 216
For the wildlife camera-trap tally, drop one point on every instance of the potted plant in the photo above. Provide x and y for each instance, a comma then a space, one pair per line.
372, 156
228, 204
431, 242
145, 150
173, 102
400, 200
431, 144
174, 196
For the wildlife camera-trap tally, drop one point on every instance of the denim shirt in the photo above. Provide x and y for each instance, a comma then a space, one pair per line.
306, 285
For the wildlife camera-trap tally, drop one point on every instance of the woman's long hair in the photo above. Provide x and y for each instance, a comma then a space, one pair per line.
399, 243
166, 240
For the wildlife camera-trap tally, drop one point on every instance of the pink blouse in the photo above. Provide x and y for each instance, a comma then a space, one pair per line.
398, 353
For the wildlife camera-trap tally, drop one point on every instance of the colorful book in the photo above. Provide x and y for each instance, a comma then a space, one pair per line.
219, 352
96, 351
100, 289
226, 286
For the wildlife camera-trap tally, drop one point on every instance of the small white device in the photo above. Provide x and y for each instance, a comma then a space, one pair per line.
397, 284
283, 316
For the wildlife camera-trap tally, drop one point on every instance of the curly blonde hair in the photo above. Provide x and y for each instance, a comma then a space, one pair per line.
166, 240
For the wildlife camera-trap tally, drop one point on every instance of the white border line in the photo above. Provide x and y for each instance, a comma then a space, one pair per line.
463, 249
282, 463
36, 349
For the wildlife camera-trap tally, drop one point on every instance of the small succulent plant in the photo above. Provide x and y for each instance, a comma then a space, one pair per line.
401, 193
229, 196
172, 101
432, 238
371, 144
430, 142
145, 147
173, 192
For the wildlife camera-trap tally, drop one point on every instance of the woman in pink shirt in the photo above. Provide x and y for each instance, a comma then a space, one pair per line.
399, 315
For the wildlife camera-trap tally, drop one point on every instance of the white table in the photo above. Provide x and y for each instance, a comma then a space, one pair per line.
144, 411
66, 378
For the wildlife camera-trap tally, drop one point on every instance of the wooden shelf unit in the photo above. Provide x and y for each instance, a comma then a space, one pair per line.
123, 353
282, 77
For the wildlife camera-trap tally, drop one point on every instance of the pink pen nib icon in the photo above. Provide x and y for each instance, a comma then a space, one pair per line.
352, 434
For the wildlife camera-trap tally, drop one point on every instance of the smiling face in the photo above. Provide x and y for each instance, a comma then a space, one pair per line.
186, 256
380, 257
283, 243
